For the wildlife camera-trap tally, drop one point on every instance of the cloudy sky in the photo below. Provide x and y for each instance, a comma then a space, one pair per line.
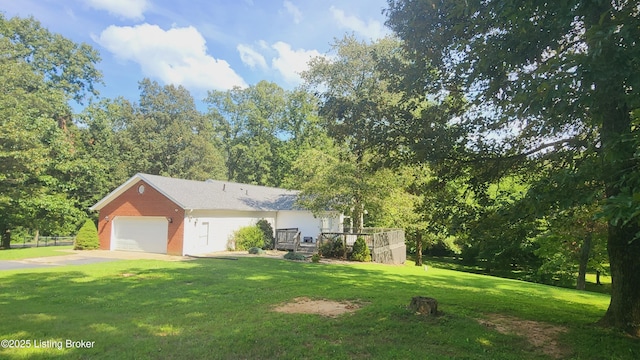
204, 44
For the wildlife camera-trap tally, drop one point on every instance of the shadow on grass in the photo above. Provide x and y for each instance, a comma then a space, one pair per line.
221, 309
524, 275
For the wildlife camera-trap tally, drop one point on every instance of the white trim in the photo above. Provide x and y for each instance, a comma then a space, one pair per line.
126, 186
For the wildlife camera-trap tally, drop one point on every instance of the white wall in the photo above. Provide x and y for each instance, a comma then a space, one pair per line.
221, 224
308, 225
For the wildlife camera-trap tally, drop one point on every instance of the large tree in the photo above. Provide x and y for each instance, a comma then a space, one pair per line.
63, 64
40, 73
354, 105
166, 135
247, 122
544, 78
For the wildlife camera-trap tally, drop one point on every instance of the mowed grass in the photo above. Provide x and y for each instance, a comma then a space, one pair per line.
32, 252
222, 309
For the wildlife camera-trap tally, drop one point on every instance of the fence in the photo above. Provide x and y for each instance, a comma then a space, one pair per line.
43, 241
386, 245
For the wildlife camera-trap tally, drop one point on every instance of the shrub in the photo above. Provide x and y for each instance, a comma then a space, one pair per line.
248, 237
315, 258
294, 256
87, 238
256, 251
326, 249
339, 250
333, 249
267, 230
360, 250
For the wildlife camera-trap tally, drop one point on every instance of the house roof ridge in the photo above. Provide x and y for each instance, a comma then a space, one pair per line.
211, 181
212, 195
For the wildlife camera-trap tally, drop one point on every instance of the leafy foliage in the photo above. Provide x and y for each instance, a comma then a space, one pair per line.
87, 237
333, 249
550, 85
355, 107
256, 251
248, 237
267, 231
294, 256
360, 251
40, 73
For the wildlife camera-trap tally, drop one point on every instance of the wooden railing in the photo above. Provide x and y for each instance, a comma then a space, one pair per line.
386, 245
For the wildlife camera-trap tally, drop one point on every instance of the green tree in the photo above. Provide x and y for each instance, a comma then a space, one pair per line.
101, 130
573, 242
248, 122
543, 79
166, 135
355, 104
63, 64
40, 73
329, 180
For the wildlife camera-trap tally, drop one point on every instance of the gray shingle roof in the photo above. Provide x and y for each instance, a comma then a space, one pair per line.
214, 194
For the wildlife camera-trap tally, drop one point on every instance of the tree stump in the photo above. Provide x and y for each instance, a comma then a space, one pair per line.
424, 305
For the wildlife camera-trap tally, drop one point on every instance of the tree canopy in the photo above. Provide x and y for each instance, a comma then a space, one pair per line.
547, 83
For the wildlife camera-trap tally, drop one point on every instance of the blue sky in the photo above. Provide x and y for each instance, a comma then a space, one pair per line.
203, 44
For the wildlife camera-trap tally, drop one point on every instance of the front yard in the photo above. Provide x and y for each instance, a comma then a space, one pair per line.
32, 252
224, 309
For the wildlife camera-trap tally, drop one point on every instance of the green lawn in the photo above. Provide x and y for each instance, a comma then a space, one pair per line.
32, 252
453, 264
221, 309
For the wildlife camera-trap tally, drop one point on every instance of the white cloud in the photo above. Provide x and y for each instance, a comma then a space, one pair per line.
373, 29
175, 56
251, 57
128, 9
290, 63
294, 11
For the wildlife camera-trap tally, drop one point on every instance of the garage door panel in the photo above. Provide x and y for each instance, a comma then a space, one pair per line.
141, 233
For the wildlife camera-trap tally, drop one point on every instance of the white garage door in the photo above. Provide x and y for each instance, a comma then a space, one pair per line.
140, 233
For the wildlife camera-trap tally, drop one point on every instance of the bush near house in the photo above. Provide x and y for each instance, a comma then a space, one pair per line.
87, 238
256, 251
360, 251
333, 249
267, 230
248, 237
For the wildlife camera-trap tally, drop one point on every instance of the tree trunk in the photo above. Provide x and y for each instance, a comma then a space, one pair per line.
598, 277
584, 260
36, 237
418, 248
624, 309
357, 216
6, 239
610, 109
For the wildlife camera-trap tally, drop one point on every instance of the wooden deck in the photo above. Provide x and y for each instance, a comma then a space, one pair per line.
386, 245
289, 239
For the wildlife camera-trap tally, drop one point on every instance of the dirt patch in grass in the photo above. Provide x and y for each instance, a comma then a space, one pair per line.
541, 335
328, 308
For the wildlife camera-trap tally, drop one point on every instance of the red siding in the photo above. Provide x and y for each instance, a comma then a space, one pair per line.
150, 203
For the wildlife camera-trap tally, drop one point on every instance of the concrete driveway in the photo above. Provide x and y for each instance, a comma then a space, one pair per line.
82, 258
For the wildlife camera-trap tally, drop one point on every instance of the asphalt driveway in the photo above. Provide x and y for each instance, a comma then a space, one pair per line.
83, 258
